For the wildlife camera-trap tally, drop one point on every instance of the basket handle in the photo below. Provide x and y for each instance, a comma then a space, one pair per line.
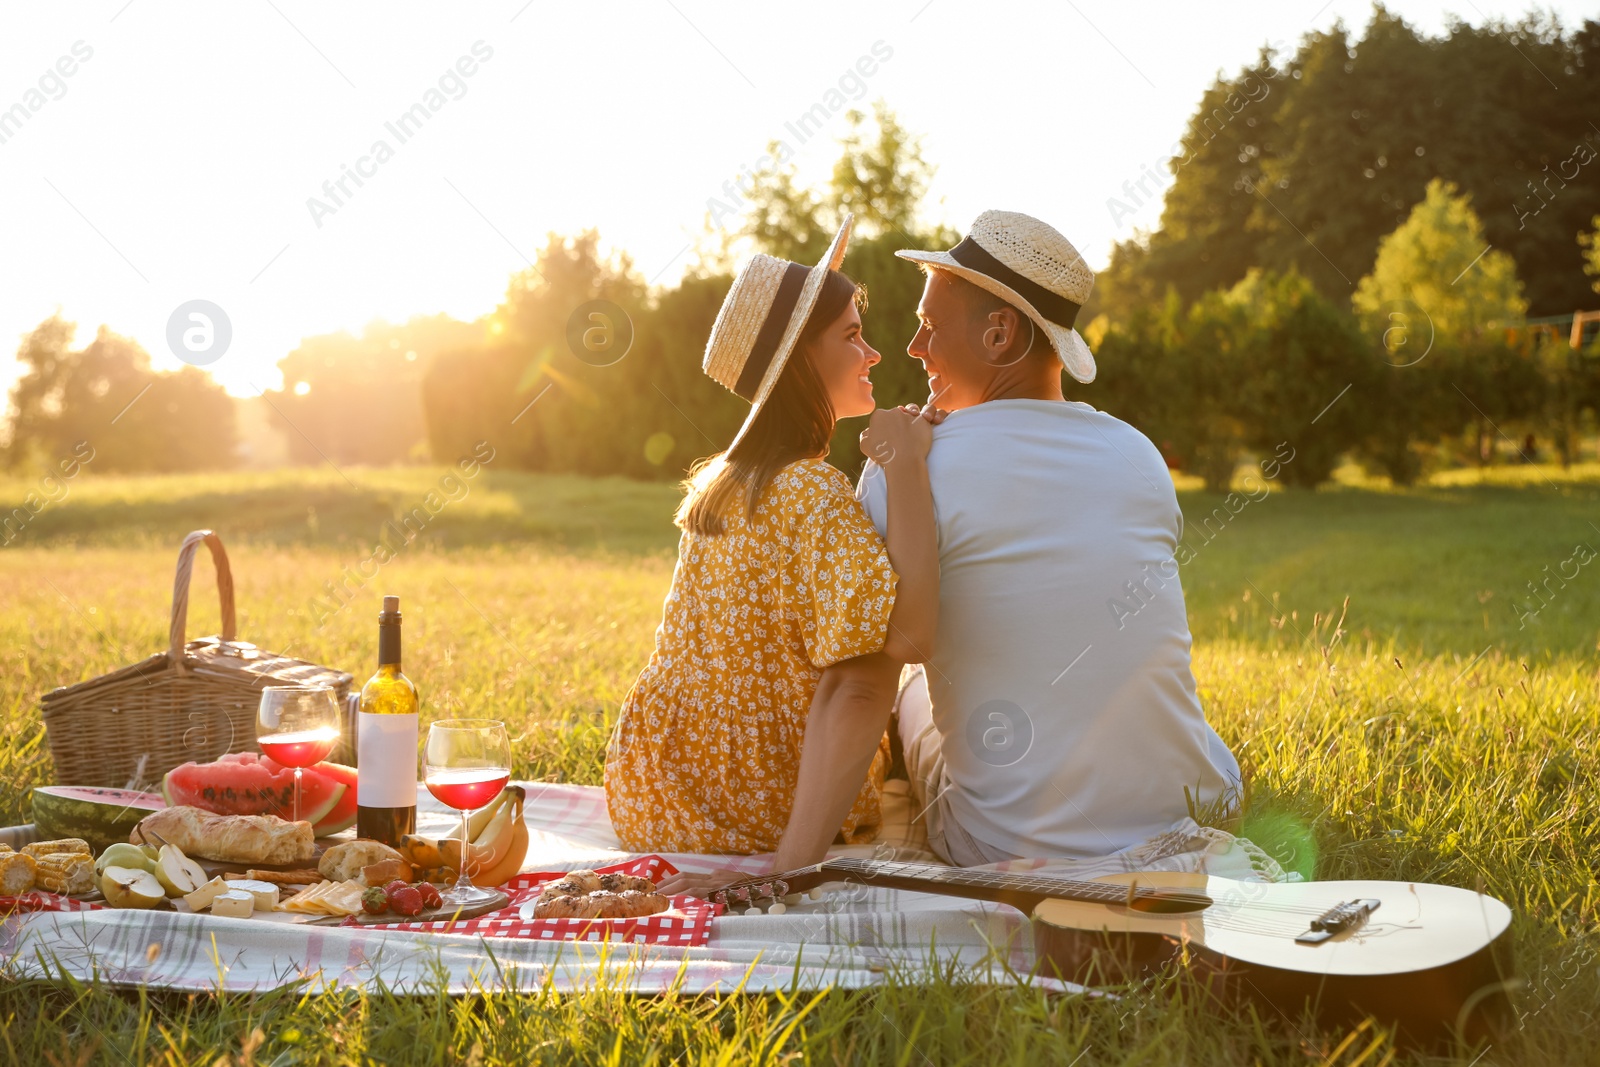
176, 636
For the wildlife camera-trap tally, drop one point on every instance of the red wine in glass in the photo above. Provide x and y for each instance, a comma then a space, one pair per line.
467, 762
301, 748
467, 790
297, 725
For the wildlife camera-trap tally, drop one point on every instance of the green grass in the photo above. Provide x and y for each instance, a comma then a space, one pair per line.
1388, 748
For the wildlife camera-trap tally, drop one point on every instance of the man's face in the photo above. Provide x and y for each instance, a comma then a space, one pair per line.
949, 344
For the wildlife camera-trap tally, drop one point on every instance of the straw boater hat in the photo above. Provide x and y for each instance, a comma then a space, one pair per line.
1026, 263
761, 319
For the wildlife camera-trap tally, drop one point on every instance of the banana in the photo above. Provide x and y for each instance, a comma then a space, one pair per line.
511, 864
490, 846
478, 820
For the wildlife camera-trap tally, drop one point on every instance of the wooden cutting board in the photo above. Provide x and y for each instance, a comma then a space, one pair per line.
427, 915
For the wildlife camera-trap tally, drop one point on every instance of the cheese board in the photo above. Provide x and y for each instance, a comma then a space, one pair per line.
500, 900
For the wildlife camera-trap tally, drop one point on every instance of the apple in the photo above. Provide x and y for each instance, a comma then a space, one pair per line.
178, 874
125, 887
124, 855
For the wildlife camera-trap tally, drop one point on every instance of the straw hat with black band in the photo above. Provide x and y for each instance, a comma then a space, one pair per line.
761, 320
1026, 263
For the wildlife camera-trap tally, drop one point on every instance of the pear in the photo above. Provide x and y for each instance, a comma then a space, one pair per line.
124, 855
178, 874
126, 887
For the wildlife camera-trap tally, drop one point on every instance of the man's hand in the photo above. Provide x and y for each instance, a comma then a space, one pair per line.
702, 884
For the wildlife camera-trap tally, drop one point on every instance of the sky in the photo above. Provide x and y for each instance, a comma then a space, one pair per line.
168, 153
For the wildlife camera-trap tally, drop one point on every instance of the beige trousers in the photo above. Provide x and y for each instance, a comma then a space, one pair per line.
930, 781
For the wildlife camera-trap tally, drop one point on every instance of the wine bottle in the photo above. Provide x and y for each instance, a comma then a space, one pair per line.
386, 741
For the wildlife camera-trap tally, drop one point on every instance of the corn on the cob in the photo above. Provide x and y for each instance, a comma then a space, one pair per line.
65, 872
70, 845
17, 873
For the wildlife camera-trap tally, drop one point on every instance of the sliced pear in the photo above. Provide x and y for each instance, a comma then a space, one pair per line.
178, 874
126, 887
124, 855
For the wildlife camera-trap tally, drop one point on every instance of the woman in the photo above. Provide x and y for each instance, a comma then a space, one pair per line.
783, 593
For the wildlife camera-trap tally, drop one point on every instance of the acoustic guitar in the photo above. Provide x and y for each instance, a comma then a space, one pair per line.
1430, 959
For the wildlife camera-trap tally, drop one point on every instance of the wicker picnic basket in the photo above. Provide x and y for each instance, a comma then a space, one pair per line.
195, 701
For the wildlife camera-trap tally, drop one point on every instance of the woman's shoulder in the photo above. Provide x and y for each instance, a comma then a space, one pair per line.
807, 483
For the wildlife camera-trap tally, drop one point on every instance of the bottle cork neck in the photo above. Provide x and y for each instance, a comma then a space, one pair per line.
389, 643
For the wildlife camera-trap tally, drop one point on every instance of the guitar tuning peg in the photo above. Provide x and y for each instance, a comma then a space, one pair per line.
778, 908
791, 899
754, 909
814, 894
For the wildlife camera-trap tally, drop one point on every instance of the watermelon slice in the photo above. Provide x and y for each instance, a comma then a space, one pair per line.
343, 814
99, 816
245, 783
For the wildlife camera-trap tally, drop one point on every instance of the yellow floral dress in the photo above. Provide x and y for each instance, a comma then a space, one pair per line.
707, 749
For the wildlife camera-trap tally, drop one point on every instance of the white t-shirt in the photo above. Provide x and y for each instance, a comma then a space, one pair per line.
1060, 682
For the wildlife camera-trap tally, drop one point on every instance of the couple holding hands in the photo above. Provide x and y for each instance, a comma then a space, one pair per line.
952, 606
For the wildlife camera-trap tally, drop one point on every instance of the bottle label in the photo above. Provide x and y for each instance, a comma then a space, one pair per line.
386, 760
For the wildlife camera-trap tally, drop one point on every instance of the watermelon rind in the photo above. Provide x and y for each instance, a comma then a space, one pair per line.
100, 816
343, 815
322, 810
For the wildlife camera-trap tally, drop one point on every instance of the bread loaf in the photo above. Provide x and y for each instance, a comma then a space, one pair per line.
227, 838
343, 862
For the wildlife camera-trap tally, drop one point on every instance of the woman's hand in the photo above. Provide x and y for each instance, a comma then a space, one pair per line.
902, 431
702, 883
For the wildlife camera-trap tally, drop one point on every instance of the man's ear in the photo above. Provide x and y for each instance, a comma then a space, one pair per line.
1006, 337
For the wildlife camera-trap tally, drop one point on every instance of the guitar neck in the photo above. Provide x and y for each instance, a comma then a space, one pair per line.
1020, 890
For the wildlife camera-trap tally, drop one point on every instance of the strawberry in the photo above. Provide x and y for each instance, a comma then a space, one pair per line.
406, 900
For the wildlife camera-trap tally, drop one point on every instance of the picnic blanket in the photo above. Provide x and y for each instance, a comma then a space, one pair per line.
846, 939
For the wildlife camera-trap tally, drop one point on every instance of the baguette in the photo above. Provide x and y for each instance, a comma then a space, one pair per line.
245, 839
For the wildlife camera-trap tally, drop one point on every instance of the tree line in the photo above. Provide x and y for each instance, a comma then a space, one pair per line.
1352, 241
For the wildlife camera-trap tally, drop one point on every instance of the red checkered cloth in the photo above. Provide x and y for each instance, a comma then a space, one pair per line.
39, 900
688, 922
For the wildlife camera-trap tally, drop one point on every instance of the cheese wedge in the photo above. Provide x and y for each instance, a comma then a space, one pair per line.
201, 898
234, 904
265, 893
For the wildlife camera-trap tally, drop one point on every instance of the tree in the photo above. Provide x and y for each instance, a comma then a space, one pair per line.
106, 394
1590, 243
883, 179
1326, 157
1303, 355
349, 399
1175, 373
1429, 305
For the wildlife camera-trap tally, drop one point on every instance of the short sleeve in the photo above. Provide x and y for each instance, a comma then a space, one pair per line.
843, 583
873, 492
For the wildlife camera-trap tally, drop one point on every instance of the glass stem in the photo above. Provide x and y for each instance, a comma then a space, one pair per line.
462, 881
297, 773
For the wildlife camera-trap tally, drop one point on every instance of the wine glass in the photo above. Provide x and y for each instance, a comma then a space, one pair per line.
467, 762
297, 725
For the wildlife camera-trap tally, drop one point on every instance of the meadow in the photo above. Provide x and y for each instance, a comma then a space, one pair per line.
1397, 714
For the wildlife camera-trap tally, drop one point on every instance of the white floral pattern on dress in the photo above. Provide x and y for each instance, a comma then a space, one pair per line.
707, 749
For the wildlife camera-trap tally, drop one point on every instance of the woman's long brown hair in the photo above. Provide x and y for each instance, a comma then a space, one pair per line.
796, 422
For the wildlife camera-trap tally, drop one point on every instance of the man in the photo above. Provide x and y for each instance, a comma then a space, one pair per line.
1057, 715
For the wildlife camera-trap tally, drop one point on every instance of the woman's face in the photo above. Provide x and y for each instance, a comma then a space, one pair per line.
842, 358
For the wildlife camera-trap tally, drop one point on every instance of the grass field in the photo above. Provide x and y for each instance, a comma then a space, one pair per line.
1441, 734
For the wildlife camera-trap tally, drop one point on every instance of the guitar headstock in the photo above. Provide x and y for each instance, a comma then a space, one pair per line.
774, 892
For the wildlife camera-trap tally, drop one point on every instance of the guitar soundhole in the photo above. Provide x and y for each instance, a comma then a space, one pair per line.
1170, 901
